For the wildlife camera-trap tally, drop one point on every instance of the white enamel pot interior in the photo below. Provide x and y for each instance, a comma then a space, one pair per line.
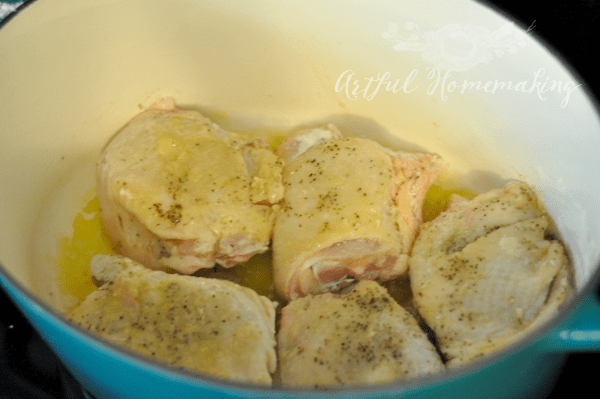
73, 72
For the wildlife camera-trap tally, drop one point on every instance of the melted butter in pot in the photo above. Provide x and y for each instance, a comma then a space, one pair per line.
437, 198
76, 251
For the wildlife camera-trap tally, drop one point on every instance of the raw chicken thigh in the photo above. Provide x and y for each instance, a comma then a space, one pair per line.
351, 210
210, 326
360, 338
178, 192
483, 274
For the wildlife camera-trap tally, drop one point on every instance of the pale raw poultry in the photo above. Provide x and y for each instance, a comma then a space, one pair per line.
483, 273
209, 326
178, 192
351, 211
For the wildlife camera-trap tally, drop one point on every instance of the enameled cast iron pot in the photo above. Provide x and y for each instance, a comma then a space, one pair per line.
73, 72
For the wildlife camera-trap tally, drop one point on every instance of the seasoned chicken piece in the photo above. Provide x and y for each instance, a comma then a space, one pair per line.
351, 210
360, 338
483, 274
178, 192
209, 326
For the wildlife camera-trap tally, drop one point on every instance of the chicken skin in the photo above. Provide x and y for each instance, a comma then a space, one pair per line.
483, 274
351, 211
209, 326
360, 338
177, 192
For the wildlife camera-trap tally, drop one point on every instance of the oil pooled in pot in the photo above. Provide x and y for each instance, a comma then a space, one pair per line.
76, 251
89, 239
